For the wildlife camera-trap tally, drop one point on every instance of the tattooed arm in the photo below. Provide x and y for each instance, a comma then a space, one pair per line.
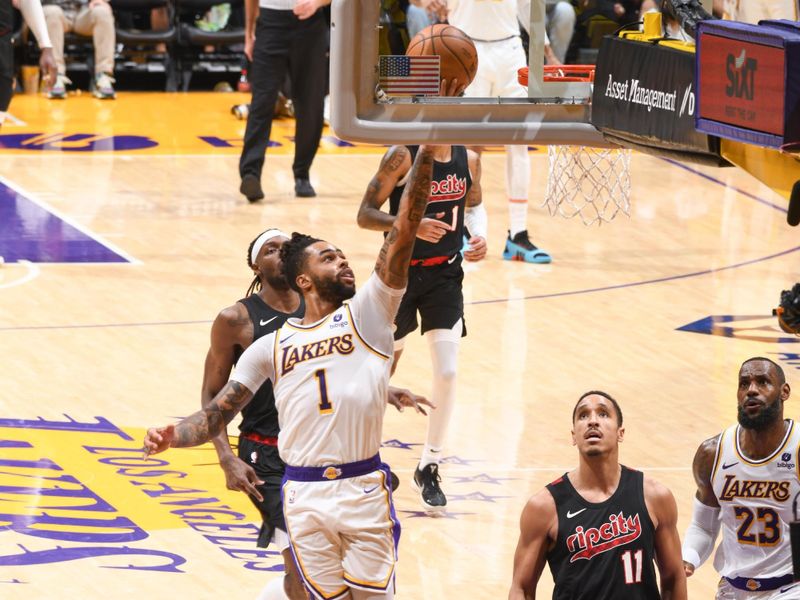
201, 426
254, 368
394, 166
392, 265
232, 330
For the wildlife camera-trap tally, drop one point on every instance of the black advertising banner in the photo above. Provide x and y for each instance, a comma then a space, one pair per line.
644, 93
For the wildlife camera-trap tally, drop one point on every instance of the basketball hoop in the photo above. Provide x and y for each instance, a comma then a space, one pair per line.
593, 183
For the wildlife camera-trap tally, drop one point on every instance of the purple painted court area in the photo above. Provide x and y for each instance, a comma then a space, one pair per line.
30, 232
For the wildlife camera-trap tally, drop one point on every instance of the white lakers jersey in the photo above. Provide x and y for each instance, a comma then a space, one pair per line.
330, 378
489, 20
756, 499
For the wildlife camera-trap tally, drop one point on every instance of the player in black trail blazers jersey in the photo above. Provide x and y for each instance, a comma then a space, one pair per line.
602, 526
258, 470
434, 279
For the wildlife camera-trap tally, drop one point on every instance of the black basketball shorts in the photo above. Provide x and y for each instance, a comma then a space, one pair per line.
269, 467
6, 71
434, 292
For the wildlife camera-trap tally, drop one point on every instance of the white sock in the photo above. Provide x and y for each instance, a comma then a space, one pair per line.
518, 175
443, 344
517, 216
273, 590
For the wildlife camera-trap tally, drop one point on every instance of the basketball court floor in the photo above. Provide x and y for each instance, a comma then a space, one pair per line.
123, 235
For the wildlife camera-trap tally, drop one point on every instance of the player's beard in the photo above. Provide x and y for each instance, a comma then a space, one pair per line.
277, 281
333, 290
768, 415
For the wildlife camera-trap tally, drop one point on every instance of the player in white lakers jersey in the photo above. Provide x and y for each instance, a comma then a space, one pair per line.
330, 374
747, 478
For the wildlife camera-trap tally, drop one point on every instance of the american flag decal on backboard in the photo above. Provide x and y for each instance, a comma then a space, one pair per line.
409, 75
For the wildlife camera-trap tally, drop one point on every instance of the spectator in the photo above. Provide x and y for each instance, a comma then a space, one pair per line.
284, 36
560, 24
84, 17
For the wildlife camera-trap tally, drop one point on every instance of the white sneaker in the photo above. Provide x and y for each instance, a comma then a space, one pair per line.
59, 89
103, 87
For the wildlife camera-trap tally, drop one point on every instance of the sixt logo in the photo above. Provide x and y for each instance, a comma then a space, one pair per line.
741, 75
618, 531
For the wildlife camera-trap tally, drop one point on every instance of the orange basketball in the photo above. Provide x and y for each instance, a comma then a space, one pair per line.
458, 56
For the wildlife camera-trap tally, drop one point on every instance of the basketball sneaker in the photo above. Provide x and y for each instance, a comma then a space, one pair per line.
426, 480
59, 89
103, 87
521, 248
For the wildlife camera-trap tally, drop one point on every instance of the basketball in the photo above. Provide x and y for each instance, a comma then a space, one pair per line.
458, 56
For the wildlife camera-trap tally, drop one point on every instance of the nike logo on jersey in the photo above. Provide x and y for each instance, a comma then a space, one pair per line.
786, 589
267, 322
724, 466
571, 514
370, 490
288, 337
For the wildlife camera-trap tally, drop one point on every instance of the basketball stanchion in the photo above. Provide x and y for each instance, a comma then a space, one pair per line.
592, 183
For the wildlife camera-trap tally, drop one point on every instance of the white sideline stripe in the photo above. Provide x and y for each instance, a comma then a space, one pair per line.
78, 226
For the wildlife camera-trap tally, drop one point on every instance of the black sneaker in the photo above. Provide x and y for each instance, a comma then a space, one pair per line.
427, 483
251, 188
395, 481
303, 189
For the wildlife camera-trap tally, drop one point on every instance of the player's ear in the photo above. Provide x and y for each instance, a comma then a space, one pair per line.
620, 434
574, 441
303, 282
785, 391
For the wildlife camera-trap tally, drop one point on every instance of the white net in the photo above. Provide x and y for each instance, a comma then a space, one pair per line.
593, 183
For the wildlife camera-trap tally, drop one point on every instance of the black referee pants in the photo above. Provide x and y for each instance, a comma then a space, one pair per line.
286, 43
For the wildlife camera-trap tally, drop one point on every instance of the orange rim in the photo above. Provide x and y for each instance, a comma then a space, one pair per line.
561, 73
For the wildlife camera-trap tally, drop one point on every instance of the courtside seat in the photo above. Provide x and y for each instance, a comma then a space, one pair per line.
209, 51
140, 47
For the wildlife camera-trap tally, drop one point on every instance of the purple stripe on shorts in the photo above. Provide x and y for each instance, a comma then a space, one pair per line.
334, 472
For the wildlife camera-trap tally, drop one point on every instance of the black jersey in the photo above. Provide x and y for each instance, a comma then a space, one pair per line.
6, 17
449, 187
604, 551
260, 415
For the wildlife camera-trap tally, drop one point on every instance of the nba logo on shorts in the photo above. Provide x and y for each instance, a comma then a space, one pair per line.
292, 493
253, 457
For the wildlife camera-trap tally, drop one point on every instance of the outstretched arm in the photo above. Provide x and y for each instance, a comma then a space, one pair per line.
394, 257
232, 324
664, 513
201, 426
538, 518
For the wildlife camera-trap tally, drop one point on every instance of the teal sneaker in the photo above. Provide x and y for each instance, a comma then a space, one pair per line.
521, 248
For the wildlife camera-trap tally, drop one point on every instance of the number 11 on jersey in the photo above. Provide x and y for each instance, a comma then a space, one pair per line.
325, 406
632, 563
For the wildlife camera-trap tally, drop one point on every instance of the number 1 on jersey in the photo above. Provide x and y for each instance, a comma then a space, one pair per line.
633, 573
325, 406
